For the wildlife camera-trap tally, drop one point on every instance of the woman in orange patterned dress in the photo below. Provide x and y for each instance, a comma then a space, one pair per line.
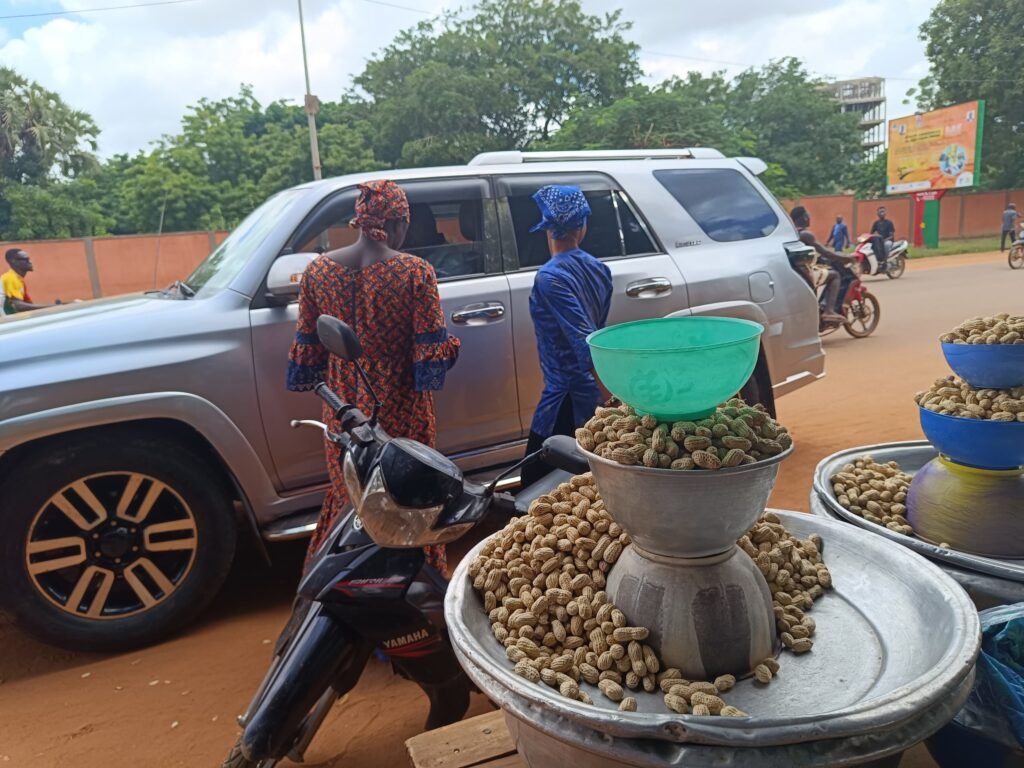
390, 300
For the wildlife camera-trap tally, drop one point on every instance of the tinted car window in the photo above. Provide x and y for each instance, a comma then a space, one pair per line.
613, 230
446, 226
725, 205
635, 235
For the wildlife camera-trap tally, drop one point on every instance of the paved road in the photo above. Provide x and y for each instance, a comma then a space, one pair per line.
174, 705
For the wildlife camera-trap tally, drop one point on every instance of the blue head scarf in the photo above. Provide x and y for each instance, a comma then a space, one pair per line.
563, 209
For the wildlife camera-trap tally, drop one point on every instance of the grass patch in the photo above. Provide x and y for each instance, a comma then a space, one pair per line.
955, 247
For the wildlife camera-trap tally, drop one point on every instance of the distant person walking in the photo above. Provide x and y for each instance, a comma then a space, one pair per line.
1010, 217
840, 236
16, 298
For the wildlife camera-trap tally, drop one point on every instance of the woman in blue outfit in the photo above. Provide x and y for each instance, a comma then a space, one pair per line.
570, 300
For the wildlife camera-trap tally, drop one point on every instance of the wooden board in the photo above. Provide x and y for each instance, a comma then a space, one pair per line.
482, 741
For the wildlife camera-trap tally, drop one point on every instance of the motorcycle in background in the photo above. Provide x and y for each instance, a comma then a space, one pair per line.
861, 310
1016, 257
894, 266
369, 587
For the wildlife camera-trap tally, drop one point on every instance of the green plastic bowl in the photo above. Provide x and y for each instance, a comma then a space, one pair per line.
676, 368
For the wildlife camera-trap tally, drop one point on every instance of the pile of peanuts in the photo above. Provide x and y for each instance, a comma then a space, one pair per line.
734, 434
952, 396
999, 329
876, 492
542, 581
796, 576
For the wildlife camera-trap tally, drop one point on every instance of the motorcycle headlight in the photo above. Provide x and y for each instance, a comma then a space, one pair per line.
408, 489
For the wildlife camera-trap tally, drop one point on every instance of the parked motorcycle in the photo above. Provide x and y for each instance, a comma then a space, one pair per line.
893, 267
368, 587
861, 310
1016, 257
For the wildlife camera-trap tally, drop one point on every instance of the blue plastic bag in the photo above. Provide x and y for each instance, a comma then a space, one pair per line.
996, 705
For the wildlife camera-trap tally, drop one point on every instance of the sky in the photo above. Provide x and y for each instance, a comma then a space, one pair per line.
137, 69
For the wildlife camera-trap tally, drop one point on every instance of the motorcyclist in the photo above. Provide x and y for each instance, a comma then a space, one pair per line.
883, 232
839, 274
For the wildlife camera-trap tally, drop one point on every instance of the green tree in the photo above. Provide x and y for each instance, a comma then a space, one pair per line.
778, 113
867, 180
678, 113
974, 51
40, 135
499, 79
796, 125
230, 155
60, 209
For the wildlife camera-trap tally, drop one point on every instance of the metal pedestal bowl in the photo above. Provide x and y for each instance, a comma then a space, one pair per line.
685, 513
892, 662
989, 581
708, 617
707, 605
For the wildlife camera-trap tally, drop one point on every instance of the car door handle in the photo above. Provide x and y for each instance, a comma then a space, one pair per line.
488, 310
655, 285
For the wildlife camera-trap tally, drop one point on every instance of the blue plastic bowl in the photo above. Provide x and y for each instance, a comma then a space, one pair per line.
975, 442
987, 366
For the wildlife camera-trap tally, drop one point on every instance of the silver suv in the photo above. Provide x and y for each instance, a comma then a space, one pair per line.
139, 434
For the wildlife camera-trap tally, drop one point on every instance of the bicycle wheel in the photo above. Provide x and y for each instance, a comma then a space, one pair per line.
863, 316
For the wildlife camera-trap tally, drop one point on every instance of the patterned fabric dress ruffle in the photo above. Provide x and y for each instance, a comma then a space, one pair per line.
394, 308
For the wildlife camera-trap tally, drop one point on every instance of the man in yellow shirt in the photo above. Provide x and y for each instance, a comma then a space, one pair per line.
16, 298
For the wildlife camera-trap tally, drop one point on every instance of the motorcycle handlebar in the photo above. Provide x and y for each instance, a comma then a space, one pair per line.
326, 394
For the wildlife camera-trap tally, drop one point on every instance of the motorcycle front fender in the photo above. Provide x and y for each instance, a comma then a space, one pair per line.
310, 664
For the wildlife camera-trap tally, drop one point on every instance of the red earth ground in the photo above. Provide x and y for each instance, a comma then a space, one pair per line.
175, 704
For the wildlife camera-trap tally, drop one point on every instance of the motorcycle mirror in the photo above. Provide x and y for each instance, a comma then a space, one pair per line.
341, 340
338, 338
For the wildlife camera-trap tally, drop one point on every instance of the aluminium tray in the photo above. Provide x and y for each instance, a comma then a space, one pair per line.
911, 456
897, 641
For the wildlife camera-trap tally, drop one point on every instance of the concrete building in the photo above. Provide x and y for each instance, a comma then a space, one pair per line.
864, 96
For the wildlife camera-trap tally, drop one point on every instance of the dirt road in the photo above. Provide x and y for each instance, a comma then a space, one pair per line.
175, 704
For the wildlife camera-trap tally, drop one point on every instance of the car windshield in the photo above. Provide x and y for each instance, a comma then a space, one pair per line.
227, 260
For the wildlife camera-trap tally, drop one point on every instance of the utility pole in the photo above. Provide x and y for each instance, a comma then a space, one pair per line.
312, 103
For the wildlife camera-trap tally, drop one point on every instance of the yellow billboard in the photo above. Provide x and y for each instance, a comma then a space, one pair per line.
936, 150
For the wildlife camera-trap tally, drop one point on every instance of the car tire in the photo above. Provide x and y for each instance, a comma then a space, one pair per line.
113, 542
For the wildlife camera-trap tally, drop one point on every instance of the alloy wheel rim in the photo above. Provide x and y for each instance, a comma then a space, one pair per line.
111, 545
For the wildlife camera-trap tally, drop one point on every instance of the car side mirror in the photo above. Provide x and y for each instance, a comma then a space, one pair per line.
338, 338
286, 275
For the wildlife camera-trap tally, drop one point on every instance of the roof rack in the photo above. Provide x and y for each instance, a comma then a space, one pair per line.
515, 157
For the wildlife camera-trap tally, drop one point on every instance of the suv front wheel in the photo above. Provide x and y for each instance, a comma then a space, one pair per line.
111, 542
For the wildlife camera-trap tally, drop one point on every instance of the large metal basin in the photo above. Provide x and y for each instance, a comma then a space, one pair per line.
989, 581
892, 662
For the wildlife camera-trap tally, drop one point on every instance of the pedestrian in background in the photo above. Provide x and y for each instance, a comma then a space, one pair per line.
16, 298
840, 236
1010, 217
571, 296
